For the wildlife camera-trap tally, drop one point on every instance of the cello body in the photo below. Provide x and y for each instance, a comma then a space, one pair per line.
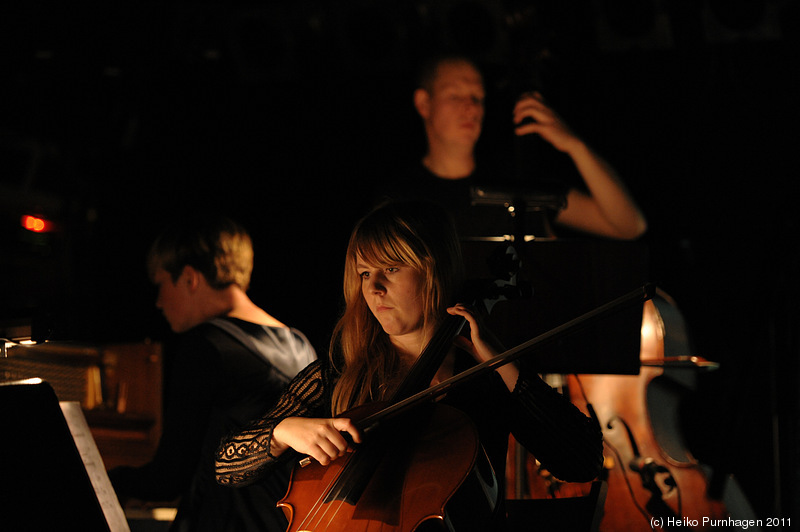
394, 483
654, 482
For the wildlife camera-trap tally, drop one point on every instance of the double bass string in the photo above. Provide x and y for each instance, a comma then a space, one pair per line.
627, 480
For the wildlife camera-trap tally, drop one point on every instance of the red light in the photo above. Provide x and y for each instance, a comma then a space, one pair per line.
35, 224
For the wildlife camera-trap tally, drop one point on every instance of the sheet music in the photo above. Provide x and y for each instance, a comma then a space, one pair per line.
115, 516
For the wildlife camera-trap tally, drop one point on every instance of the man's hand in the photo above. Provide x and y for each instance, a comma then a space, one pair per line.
533, 115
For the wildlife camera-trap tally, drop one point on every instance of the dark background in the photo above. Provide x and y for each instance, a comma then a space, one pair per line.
285, 114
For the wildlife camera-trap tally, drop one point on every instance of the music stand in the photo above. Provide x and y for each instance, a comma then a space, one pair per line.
529, 208
46, 485
568, 276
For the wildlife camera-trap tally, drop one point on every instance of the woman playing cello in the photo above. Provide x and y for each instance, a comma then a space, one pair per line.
402, 272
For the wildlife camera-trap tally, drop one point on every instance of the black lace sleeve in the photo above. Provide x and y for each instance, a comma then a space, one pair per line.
243, 457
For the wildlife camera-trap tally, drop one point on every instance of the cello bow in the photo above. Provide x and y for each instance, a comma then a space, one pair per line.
640, 295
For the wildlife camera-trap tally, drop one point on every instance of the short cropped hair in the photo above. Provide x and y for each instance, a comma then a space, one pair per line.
218, 247
429, 69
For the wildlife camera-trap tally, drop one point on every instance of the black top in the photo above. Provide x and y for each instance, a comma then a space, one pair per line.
215, 385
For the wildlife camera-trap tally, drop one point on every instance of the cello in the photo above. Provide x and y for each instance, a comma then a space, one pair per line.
362, 489
377, 488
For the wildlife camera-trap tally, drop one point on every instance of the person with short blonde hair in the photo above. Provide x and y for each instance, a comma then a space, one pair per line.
217, 247
232, 361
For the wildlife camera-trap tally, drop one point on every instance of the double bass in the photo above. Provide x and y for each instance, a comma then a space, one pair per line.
654, 482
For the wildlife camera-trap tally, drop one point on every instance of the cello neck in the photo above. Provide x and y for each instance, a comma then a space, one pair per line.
428, 363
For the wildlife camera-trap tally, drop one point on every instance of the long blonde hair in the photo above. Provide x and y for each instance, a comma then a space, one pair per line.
418, 234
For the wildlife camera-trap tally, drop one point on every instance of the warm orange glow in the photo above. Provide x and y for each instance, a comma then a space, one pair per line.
652, 344
35, 224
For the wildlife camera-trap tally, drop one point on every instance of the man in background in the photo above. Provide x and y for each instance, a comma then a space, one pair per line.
450, 100
232, 362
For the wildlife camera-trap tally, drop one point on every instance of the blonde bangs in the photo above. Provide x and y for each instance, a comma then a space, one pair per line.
387, 249
392, 248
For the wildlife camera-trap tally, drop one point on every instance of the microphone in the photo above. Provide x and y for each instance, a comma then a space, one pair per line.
645, 466
648, 469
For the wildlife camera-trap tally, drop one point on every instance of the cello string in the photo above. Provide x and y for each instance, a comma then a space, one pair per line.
427, 363
336, 504
345, 479
326, 507
319, 511
339, 507
336, 490
318, 505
